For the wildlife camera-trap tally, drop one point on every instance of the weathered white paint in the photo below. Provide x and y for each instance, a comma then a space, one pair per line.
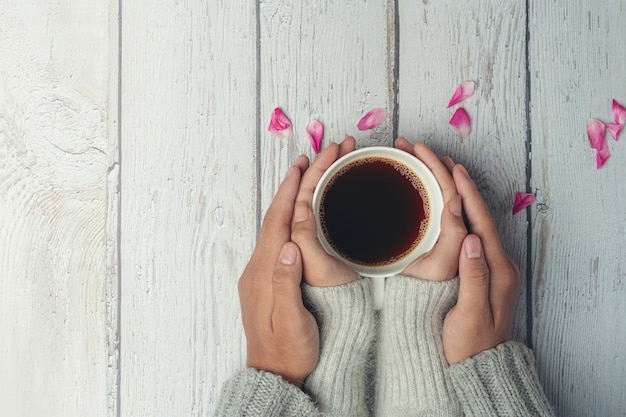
442, 45
328, 62
58, 299
188, 190
198, 169
579, 234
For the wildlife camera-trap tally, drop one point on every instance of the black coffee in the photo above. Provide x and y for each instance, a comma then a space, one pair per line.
374, 211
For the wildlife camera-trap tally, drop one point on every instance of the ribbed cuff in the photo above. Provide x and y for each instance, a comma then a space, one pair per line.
257, 393
411, 370
500, 381
346, 318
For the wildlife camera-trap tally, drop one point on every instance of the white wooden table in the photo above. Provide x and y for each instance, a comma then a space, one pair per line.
135, 168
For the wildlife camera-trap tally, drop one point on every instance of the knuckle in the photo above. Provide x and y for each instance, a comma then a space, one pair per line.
479, 270
282, 279
514, 275
299, 234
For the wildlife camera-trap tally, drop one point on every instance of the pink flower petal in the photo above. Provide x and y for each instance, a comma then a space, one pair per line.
280, 126
460, 122
619, 113
372, 119
614, 129
522, 200
602, 155
595, 133
463, 91
315, 131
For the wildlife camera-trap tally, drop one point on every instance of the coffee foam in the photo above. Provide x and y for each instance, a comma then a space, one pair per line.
417, 184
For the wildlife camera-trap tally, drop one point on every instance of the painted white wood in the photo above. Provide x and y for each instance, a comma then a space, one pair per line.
483, 41
198, 169
58, 289
577, 59
327, 61
188, 209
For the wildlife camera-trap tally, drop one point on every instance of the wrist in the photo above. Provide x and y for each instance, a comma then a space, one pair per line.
418, 299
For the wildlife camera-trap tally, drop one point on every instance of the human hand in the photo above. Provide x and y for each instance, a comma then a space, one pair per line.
320, 268
489, 280
282, 335
442, 262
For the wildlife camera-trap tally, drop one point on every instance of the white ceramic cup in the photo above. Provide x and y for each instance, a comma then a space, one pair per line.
431, 196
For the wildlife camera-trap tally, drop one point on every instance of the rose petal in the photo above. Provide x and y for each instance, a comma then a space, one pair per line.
463, 91
619, 113
595, 133
602, 155
280, 126
372, 119
460, 122
522, 200
315, 131
614, 129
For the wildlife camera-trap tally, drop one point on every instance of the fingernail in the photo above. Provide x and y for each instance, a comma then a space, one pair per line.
456, 208
288, 255
473, 247
463, 170
301, 213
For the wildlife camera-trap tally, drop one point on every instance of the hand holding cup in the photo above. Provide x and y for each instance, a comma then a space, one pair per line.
320, 269
442, 262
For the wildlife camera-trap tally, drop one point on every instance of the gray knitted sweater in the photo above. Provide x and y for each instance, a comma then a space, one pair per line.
391, 363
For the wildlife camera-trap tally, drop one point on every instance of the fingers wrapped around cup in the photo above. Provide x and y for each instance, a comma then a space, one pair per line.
377, 210
441, 263
320, 269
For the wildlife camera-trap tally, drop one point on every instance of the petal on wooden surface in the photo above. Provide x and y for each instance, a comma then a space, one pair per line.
522, 200
315, 131
619, 113
602, 155
461, 123
280, 125
462, 92
614, 129
595, 132
372, 119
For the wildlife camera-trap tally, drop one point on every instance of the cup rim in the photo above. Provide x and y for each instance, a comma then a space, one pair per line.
436, 208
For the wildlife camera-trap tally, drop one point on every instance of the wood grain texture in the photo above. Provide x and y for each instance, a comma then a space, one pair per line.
188, 188
58, 292
442, 45
577, 61
328, 61
196, 170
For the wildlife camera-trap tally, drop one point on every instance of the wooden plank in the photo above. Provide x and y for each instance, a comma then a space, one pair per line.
188, 182
482, 41
58, 288
330, 62
577, 59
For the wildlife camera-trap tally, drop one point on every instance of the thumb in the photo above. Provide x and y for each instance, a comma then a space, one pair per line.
474, 276
286, 281
320, 269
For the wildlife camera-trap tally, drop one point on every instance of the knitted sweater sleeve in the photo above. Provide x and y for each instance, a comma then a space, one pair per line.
500, 382
337, 386
414, 378
411, 378
256, 393
346, 319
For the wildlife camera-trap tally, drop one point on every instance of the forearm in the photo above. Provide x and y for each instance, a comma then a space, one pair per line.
411, 371
500, 381
347, 325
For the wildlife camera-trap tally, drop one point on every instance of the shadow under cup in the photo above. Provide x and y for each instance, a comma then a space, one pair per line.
377, 209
